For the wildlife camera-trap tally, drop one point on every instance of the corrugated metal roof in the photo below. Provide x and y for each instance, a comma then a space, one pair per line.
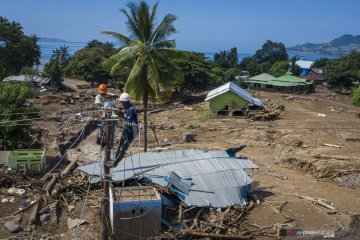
221, 175
235, 89
304, 64
262, 77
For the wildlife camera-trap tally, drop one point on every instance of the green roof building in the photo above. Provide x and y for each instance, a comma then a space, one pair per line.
286, 83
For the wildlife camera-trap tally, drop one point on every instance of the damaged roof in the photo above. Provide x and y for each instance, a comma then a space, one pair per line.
215, 178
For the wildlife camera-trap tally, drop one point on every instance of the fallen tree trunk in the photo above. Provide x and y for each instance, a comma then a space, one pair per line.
69, 167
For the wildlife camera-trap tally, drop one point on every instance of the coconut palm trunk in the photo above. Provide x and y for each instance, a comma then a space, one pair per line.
145, 105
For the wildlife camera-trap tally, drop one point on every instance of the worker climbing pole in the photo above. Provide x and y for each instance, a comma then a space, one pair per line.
109, 127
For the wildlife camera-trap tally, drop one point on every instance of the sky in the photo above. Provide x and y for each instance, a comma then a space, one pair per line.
202, 25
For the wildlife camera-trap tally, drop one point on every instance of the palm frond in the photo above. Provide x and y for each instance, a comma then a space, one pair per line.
153, 75
165, 29
165, 44
132, 23
122, 38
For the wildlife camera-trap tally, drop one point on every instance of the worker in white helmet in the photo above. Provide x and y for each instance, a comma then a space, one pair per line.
130, 128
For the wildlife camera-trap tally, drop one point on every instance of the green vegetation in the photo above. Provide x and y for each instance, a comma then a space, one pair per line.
341, 73
87, 63
271, 52
320, 63
227, 59
355, 96
199, 74
147, 53
16, 49
279, 68
264, 58
13, 110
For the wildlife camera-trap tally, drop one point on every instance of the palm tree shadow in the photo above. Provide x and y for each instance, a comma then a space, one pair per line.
261, 191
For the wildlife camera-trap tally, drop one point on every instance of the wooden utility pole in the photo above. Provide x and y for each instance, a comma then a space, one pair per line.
105, 206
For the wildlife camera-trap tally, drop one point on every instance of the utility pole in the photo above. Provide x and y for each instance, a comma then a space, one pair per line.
108, 127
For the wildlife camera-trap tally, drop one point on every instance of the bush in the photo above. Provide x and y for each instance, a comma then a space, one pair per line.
355, 96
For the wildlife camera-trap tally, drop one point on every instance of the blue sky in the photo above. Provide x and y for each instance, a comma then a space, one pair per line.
203, 25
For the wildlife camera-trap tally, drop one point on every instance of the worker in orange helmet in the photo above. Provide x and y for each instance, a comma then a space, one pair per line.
104, 99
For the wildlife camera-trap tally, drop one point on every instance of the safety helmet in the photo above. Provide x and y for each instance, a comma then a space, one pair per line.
102, 88
124, 97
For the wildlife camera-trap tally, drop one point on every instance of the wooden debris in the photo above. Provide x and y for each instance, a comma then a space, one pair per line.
26, 208
34, 215
214, 236
69, 167
50, 185
331, 145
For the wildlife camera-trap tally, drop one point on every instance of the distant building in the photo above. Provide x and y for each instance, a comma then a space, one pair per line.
305, 66
315, 76
230, 99
285, 83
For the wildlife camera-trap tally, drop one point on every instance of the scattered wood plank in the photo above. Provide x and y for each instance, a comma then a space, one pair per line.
331, 145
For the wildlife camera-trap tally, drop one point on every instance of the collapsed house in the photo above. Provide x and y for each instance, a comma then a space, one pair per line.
230, 99
214, 179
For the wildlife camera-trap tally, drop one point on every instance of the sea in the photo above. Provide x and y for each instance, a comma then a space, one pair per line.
47, 49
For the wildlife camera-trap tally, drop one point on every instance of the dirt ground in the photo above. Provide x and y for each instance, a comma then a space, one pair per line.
311, 150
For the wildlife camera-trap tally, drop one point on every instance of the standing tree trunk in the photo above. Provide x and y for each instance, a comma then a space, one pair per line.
145, 104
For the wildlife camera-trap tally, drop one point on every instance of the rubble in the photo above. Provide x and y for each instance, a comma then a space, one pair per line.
13, 226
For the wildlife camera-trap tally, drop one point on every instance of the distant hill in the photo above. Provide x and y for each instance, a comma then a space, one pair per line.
44, 39
339, 46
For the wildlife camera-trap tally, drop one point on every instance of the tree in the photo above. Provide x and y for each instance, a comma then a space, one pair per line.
54, 71
147, 53
16, 49
271, 52
245, 61
279, 68
199, 74
87, 62
295, 69
231, 73
227, 59
14, 128
253, 68
320, 63
342, 72
62, 56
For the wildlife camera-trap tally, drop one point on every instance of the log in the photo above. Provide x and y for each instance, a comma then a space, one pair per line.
33, 215
69, 167
214, 236
49, 187
196, 219
26, 208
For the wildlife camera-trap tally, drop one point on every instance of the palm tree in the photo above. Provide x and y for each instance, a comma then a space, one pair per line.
62, 56
147, 52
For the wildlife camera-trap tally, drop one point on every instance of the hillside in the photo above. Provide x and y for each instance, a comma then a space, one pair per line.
339, 46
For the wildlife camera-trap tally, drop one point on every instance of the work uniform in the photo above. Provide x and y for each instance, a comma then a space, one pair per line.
129, 133
106, 102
